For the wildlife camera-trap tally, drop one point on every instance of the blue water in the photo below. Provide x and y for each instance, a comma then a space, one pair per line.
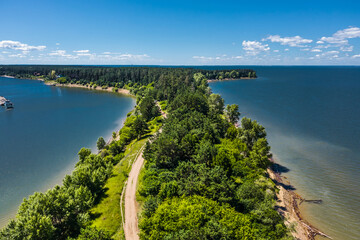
41, 136
312, 117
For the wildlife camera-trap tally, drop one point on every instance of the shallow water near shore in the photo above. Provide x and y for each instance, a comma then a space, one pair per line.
312, 118
41, 136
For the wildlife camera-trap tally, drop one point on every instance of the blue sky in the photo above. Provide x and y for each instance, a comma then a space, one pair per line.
180, 32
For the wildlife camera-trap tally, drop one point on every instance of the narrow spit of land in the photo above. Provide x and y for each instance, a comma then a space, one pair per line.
131, 228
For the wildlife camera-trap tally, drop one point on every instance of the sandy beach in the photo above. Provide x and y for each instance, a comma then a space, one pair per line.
7, 76
229, 79
288, 207
98, 88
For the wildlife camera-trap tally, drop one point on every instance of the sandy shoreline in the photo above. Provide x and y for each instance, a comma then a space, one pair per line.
230, 79
98, 88
7, 76
288, 207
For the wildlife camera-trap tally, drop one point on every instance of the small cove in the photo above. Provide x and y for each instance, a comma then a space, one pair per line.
41, 136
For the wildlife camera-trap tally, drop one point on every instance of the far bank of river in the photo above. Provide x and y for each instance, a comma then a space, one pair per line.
41, 136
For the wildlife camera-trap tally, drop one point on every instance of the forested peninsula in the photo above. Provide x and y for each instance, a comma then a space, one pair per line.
204, 176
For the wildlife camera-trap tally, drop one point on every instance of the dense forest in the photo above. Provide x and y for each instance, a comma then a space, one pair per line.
204, 177
114, 76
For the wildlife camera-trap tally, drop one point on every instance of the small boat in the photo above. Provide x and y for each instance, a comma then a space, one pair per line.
2, 101
8, 104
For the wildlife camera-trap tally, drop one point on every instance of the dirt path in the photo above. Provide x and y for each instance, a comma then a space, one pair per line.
131, 228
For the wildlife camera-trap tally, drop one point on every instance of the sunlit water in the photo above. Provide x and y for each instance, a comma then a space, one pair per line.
312, 117
41, 136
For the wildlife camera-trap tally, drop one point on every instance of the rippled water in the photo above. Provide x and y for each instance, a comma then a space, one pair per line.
41, 136
312, 117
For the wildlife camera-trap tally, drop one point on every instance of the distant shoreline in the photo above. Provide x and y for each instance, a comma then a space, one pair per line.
97, 88
230, 79
7, 76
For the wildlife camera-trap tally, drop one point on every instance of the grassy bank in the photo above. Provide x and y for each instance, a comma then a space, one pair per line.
107, 213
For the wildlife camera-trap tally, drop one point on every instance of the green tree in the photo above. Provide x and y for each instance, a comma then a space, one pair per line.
139, 126
199, 78
100, 143
196, 218
232, 113
216, 104
250, 131
83, 153
91, 233
148, 108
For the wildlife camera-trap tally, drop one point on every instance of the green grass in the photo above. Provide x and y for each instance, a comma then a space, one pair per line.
140, 199
107, 213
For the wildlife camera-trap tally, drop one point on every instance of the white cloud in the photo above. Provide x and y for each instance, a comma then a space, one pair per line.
320, 42
203, 58
222, 58
341, 37
328, 55
81, 51
305, 49
128, 56
315, 50
254, 47
286, 49
331, 52
334, 40
276, 51
324, 46
17, 55
296, 41
351, 32
356, 56
347, 48
15, 45
58, 53
57, 44
62, 53
119, 56
84, 54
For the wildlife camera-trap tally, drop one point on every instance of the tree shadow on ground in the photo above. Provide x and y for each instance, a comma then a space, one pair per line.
279, 168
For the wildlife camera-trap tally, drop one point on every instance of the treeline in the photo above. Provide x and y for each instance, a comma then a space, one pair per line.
114, 76
205, 178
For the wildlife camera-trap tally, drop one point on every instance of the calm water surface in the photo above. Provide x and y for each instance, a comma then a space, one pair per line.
312, 117
40, 137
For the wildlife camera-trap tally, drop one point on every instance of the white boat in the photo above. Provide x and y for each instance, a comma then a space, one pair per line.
2, 101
